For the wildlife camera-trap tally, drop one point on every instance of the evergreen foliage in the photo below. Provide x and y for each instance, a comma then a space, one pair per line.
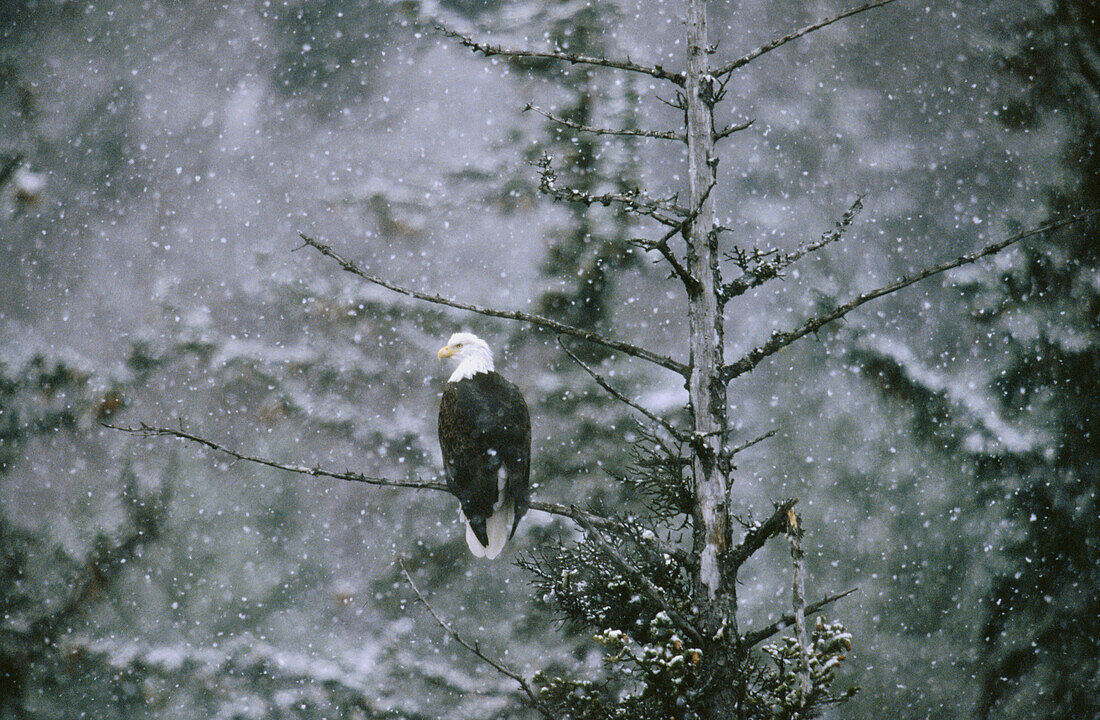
46, 588
1041, 641
624, 582
1030, 433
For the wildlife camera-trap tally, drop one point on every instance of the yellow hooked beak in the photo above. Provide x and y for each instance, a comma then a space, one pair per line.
445, 352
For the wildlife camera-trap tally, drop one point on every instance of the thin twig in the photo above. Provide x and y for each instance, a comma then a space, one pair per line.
588, 336
746, 445
780, 340
490, 50
622, 398
780, 41
750, 639
532, 695
626, 132
653, 592
662, 247
691, 283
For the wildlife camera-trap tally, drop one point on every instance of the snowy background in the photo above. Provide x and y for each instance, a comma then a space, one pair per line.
182, 147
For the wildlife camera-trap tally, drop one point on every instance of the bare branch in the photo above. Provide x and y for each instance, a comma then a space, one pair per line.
780, 41
347, 475
755, 538
653, 592
532, 695
572, 513
629, 200
626, 132
745, 446
661, 246
764, 271
731, 129
627, 348
780, 340
622, 398
752, 638
490, 50
581, 517
691, 283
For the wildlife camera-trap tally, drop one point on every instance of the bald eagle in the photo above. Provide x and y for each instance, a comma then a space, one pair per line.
485, 436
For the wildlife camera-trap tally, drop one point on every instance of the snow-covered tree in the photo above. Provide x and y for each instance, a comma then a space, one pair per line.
1041, 641
175, 182
1023, 420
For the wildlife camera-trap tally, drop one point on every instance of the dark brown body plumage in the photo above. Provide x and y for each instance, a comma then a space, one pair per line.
485, 436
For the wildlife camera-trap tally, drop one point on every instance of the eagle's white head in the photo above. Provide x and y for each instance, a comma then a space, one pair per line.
471, 353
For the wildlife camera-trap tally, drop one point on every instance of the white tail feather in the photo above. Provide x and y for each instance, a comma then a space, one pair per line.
498, 527
475, 545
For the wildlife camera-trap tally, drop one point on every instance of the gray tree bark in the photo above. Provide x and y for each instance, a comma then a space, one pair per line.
706, 385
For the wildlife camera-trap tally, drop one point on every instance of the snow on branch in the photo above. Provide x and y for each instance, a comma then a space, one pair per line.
750, 639
625, 132
540, 321
759, 534
633, 200
982, 429
653, 592
489, 50
780, 340
756, 271
781, 41
731, 129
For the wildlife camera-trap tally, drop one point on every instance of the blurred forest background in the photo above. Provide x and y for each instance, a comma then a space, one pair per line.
158, 159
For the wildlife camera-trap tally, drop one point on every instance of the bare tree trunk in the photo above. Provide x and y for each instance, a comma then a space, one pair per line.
706, 386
